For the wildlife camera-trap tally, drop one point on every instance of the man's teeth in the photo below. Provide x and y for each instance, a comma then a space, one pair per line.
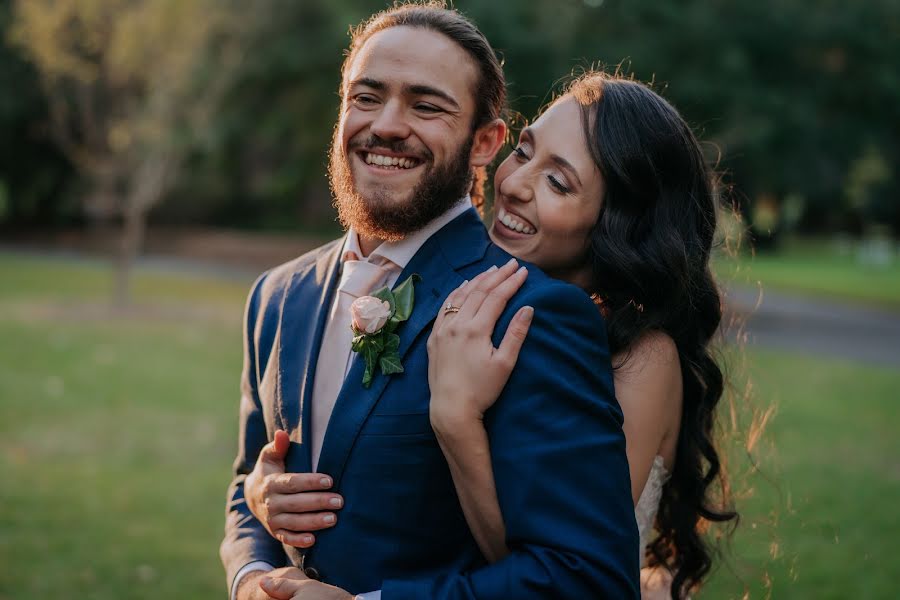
512, 223
389, 161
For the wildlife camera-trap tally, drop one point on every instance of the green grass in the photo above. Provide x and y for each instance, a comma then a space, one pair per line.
823, 500
816, 267
117, 433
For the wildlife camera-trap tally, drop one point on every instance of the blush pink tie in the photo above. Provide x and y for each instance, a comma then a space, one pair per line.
358, 278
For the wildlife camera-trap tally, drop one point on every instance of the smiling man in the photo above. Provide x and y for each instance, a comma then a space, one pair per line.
421, 98
409, 137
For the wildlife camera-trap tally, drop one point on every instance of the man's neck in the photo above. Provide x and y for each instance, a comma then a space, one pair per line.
368, 244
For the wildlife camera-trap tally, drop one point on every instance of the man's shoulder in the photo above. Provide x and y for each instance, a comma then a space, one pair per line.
538, 284
271, 285
278, 278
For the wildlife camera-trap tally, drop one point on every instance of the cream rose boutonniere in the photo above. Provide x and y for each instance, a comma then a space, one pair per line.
374, 320
369, 314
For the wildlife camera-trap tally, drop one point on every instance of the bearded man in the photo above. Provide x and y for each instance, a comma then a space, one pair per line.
340, 443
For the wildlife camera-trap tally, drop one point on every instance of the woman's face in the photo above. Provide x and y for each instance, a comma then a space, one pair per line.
547, 195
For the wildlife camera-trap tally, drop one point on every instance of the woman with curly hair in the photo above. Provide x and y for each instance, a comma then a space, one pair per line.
607, 189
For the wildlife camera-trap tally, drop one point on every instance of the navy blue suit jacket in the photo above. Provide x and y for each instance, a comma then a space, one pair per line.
557, 445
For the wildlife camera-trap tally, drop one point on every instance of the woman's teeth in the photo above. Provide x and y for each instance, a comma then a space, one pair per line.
511, 223
390, 161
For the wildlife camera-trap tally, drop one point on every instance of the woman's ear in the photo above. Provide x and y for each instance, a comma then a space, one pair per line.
487, 142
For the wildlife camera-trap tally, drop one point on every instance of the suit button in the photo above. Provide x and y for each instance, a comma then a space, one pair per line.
312, 573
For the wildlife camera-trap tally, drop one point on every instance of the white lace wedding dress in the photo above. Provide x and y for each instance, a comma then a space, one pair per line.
654, 582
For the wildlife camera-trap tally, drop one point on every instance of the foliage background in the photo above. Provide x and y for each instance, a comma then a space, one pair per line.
799, 100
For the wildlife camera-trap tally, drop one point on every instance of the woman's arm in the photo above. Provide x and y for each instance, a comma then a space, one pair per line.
466, 448
649, 390
464, 383
466, 375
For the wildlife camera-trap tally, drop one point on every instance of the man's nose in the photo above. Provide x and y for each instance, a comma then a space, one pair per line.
390, 122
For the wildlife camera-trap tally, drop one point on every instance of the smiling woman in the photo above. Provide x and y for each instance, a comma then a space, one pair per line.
608, 190
548, 194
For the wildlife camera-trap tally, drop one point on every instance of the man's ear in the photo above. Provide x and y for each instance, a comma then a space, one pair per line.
488, 140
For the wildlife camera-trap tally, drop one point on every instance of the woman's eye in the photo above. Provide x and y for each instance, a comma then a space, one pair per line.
557, 185
520, 153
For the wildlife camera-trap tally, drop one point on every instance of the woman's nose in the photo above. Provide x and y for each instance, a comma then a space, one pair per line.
518, 185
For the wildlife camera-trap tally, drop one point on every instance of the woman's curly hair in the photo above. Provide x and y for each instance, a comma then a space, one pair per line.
650, 260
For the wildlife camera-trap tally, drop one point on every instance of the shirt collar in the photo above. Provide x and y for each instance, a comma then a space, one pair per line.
400, 253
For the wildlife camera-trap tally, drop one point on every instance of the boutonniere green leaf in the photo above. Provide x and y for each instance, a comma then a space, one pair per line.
374, 321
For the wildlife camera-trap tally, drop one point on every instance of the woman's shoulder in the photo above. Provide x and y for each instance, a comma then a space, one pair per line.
648, 376
653, 355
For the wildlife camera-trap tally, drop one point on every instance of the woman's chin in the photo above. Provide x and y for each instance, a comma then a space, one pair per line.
496, 238
506, 244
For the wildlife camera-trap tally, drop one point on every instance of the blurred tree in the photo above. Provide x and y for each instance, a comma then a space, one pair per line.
790, 93
866, 175
268, 165
131, 86
32, 170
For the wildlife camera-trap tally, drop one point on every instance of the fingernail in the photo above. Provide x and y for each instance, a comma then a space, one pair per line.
325, 482
464, 284
512, 261
492, 269
527, 314
307, 539
522, 270
328, 518
336, 502
265, 580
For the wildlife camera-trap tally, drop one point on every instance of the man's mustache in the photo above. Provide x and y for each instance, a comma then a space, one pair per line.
398, 147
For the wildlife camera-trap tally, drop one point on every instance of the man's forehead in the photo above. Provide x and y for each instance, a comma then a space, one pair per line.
404, 56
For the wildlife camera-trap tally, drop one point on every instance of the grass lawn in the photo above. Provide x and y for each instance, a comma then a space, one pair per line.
817, 521
117, 434
816, 267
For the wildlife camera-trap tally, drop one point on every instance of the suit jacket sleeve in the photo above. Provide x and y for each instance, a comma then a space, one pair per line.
559, 461
246, 540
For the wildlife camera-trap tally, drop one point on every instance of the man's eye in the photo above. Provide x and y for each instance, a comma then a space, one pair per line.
364, 99
428, 108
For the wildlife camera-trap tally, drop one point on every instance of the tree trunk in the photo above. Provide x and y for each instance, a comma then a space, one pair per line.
133, 228
146, 188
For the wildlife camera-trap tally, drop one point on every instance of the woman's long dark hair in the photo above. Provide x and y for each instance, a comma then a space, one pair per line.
650, 253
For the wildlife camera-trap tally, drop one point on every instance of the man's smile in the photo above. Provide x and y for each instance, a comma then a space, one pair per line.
387, 161
383, 163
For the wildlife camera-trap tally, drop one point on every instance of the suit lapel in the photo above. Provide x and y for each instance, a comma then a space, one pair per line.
461, 242
303, 317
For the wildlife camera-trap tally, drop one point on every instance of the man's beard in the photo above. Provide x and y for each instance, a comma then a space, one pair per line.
380, 216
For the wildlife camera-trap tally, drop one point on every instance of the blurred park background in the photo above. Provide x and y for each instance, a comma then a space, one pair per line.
156, 154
